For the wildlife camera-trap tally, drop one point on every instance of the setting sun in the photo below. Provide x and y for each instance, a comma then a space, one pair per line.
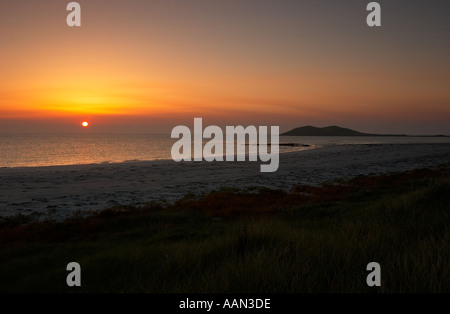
85, 124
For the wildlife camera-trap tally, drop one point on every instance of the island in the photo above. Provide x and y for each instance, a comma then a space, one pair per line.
338, 131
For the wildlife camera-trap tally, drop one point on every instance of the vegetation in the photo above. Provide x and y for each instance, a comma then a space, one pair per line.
308, 240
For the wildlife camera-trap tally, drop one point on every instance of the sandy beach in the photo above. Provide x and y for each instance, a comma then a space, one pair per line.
58, 191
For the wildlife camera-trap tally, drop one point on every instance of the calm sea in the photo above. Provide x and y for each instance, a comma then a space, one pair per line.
31, 150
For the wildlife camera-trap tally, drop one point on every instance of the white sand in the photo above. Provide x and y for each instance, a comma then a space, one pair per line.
58, 191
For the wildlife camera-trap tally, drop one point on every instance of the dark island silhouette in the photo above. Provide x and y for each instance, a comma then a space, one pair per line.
337, 131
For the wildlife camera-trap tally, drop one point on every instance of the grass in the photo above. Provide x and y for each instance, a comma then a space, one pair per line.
308, 240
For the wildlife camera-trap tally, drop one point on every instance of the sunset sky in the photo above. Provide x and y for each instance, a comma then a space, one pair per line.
147, 66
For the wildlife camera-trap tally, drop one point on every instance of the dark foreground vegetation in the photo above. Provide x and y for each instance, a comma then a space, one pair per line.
310, 240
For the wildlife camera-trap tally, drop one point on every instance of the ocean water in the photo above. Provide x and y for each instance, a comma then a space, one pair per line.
32, 150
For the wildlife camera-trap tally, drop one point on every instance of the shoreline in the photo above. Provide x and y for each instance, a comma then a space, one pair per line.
295, 147
58, 191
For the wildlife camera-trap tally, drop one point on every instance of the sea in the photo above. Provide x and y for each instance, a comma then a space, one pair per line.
36, 150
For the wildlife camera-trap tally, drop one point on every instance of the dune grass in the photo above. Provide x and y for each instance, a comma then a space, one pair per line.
310, 240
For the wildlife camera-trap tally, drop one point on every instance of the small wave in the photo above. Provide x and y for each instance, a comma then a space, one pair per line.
283, 144
131, 160
301, 147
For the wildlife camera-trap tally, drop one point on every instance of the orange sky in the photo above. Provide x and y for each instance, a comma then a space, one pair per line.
150, 65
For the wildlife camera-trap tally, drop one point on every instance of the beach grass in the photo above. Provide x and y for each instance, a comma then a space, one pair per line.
308, 240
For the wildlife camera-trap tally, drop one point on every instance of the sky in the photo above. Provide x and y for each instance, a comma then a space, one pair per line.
150, 65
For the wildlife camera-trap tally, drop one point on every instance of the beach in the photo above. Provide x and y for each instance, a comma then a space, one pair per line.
58, 191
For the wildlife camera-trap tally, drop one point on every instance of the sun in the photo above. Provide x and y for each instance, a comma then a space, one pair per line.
85, 124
